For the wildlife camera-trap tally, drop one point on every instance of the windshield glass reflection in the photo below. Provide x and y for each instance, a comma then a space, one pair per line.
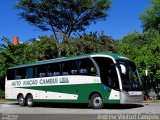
129, 75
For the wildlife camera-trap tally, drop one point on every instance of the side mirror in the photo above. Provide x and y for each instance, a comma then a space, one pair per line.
123, 68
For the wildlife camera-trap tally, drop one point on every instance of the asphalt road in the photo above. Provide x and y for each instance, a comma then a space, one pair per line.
12, 111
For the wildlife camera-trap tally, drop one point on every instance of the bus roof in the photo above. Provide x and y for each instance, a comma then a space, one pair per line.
103, 54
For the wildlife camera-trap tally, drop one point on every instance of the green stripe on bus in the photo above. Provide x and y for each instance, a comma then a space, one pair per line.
82, 90
72, 101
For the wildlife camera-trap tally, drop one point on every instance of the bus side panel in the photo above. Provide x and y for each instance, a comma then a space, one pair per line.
77, 90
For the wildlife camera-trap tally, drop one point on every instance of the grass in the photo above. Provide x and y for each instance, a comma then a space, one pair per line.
3, 100
151, 101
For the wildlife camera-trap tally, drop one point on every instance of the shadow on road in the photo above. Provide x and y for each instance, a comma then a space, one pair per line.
85, 106
122, 106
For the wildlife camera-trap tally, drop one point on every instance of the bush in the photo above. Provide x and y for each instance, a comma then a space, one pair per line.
2, 94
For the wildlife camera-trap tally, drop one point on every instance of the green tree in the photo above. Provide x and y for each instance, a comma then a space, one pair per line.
94, 42
63, 16
42, 49
10, 55
87, 44
68, 48
151, 17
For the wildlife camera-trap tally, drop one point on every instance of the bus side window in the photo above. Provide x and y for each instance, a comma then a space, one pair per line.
56, 74
49, 74
74, 72
70, 67
83, 71
29, 72
53, 69
86, 67
20, 73
42, 74
11, 74
41, 70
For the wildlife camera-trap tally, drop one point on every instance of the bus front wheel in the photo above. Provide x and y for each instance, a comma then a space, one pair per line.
29, 101
96, 101
21, 100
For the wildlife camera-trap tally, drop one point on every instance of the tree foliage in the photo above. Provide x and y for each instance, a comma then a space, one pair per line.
10, 55
63, 16
94, 42
42, 49
151, 17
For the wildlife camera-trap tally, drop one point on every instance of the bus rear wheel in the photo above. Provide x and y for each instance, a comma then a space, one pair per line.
21, 100
29, 101
96, 101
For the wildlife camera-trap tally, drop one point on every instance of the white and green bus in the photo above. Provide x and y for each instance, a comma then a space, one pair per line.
95, 79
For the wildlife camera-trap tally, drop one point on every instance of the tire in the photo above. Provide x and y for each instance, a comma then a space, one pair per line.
21, 100
29, 101
96, 101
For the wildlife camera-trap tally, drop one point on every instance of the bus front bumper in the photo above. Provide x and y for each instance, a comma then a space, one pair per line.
131, 97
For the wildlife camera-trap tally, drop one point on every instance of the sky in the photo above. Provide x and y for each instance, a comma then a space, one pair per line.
123, 19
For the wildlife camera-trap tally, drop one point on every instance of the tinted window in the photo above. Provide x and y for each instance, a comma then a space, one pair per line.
54, 69
41, 71
70, 68
31, 72
130, 78
86, 67
108, 72
11, 74
74, 67
20, 73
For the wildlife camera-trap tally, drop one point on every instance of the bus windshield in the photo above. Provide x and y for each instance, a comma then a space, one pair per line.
129, 75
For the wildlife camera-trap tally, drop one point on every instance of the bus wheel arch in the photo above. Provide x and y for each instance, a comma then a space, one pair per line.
96, 100
29, 100
21, 99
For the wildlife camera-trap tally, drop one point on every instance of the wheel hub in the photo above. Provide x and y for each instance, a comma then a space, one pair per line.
97, 101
